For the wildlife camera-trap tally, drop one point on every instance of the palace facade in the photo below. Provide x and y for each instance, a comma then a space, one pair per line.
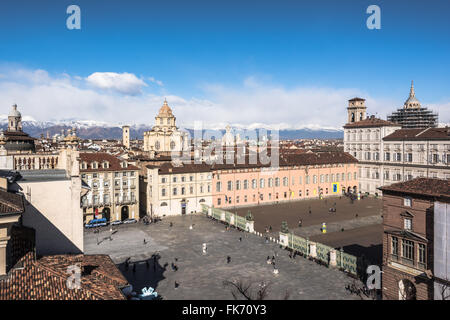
388, 153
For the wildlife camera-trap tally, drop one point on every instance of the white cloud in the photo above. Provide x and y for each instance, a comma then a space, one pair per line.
46, 97
126, 83
158, 82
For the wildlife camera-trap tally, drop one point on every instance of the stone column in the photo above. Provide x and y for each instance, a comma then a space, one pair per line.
312, 249
333, 262
284, 239
4, 238
249, 226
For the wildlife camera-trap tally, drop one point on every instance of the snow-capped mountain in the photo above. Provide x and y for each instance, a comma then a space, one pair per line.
93, 129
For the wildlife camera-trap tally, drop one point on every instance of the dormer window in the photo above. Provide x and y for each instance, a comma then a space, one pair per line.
407, 224
83, 165
124, 164
407, 202
105, 165
94, 165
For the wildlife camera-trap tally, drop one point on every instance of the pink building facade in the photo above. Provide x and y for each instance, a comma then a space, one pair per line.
296, 179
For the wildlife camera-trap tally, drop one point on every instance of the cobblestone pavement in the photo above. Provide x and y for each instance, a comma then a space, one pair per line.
348, 213
337, 226
201, 276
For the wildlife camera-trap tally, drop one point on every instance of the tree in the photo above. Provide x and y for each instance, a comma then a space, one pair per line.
250, 290
284, 227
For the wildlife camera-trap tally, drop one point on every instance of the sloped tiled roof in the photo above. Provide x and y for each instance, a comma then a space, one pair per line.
421, 186
285, 160
11, 203
46, 279
100, 157
419, 134
371, 122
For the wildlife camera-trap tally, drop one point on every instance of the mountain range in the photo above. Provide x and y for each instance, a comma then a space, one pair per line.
88, 129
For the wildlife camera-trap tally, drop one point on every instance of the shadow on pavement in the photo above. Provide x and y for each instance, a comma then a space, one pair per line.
144, 273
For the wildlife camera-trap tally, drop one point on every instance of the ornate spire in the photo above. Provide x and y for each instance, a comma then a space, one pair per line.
412, 101
411, 92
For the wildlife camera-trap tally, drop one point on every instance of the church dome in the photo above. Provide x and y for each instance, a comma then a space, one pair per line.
165, 110
14, 112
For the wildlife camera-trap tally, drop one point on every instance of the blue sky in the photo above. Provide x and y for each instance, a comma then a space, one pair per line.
217, 54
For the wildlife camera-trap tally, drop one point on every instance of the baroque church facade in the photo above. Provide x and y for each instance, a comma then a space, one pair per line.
165, 138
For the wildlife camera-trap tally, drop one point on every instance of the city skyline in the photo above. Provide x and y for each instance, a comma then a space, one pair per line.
293, 65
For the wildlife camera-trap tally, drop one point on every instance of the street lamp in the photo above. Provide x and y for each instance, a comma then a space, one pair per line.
186, 204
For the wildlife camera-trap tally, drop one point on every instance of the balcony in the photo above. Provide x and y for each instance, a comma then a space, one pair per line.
407, 262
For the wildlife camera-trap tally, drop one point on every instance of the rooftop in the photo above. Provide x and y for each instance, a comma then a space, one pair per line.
43, 175
285, 160
421, 186
11, 203
419, 134
370, 122
100, 157
46, 279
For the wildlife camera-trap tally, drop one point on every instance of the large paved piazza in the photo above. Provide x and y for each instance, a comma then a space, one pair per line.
201, 276
355, 226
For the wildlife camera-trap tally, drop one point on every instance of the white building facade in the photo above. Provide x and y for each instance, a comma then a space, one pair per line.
177, 190
387, 153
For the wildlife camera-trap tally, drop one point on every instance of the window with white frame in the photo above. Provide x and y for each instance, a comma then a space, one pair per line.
407, 224
407, 202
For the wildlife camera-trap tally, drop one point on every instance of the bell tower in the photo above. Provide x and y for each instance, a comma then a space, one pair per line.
14, 119
356, 110
126, 136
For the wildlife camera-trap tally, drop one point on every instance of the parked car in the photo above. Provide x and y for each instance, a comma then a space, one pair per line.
126, 221
116, 222
96, 223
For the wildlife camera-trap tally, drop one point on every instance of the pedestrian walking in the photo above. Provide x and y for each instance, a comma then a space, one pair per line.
299, 223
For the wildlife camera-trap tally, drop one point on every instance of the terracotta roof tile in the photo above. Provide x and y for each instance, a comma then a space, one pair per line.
421, 186
100, 157
370, 122
419, 134
11, 203
46, 279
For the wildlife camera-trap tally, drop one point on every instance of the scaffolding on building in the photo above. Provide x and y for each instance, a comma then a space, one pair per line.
414, 118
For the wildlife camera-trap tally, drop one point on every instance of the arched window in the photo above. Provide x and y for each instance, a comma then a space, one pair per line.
157, 145
172, 145
164, 204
